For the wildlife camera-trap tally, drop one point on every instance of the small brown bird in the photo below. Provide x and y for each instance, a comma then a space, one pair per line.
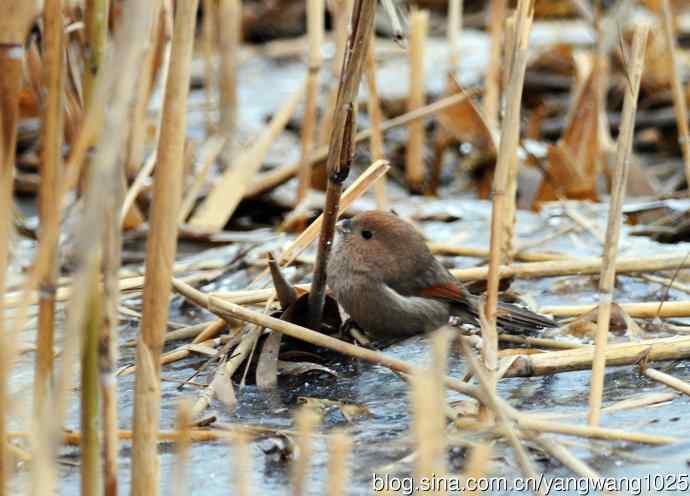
385, 277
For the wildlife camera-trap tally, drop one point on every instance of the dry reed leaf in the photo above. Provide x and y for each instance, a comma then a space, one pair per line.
226, 195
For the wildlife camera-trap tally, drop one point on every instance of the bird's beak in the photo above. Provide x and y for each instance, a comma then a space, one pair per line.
344, 226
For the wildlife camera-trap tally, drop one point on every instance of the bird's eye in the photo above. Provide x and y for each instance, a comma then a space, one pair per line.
366, 234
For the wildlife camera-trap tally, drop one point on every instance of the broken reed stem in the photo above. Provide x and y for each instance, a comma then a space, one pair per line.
341, 145
230, 38
306, 421
679, 102
207, 157
315, 15
608, 271
339, 448
663, 378
180, 486
554, 362
151, 161
89, 411
454, 34
160, 254
241, 463
48, 207
279, 175
96, 28
492, 85
375, 117
14, 26
428, 426
504, 176
415, 171
208, 47
477, 465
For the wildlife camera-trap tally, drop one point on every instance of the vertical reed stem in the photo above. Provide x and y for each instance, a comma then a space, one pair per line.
306, 421
315, 14
229, 34
375, 118
208, 48
414, 158
679, 102
184, 442
492, 85
48, 207
160, 254
341, 146
96, 17
454, 34
620, 179
502, 201
241, 465
339, 447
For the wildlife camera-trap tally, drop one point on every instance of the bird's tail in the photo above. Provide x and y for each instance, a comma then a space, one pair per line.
509, 318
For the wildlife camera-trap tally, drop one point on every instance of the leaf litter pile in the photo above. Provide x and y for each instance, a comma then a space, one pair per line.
169, 203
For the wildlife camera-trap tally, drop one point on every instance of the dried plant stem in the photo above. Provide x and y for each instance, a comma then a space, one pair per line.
375, 117
608, 270
554, 362
471, 251
208, 155
414, 158
454, 34
278, 176
562, 454
306, 422
161, 248
90, 413
208, 47
241, 466
577, 266
49, 209
14, 26
477, 464
229, 34
341, 145
492, 90
96, 16
315, 14
664, 378
679, 102
180, 485
339, 447
502, 225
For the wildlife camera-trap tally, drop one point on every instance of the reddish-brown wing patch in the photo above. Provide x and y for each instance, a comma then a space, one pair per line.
446, 291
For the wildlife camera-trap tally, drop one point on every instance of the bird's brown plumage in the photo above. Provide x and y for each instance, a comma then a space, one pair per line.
383, 274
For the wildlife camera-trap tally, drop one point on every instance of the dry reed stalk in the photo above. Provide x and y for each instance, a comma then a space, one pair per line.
341, 146
627, 404
679, 102
48, 207
454, 32
559, 452
229, 40
608, 270
339, 448
180, 486
503, 187
89, 411
477, 465
471, 251
527, 423
664, 378
207, 157
492, 90
577, 266
306, 421
278, 176
96, 27
221, 202
415, 171
145, 171
315, 13
157, 46
161, 248
14, 26
241, 464
208, 47
210, 331
428, 424
500, 410
554, 362
542, 342
375, 117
